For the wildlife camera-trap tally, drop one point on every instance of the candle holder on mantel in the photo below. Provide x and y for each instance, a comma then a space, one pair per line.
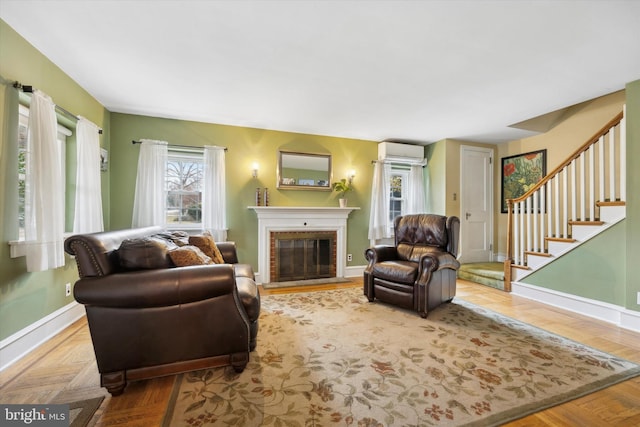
258, 193
266, 196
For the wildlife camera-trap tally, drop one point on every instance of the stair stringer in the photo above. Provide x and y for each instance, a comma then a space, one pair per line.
611, 215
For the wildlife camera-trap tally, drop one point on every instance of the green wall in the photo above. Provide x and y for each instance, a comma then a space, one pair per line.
246, 146
633, 196
28, 297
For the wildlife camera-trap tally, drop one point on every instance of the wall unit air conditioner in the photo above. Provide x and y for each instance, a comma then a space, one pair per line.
395, 152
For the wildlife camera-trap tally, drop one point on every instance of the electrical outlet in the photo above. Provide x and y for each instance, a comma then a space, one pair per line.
349, 257
638, 298
67, 289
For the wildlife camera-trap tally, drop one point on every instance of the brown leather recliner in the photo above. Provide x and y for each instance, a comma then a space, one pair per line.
419, 272
158, 321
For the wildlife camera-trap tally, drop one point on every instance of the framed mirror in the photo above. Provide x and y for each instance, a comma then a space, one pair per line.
304, 171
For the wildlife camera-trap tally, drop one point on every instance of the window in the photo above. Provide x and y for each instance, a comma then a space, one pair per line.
23, 147
184, 179
398, 179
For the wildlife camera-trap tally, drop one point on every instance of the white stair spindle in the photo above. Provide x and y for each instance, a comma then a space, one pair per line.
522, 232
612, 165
565, 216
516, 235
601, 168
527, 233
556, 205
574, 190
623, 155
592, 190
549, 211
542, 214
583, 193
534, 214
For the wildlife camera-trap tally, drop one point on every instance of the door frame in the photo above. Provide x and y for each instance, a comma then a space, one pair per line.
489, 192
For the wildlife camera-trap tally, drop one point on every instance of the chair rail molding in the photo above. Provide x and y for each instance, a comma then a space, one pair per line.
300, 218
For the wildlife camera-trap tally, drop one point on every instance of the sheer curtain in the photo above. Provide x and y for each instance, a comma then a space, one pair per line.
149, 203
415, 191
379, 216
214, 207
88, 206
44, 188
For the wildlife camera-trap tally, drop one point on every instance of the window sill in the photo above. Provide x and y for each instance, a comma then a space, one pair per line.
18, 248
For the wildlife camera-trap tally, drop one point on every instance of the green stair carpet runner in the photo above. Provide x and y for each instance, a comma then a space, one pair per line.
485, 273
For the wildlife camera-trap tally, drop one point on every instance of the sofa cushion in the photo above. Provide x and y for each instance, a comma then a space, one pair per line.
396, 271
207, 245
183, 256
180, 238
145, 253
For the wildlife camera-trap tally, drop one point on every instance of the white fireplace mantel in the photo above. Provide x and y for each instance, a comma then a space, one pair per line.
300, 218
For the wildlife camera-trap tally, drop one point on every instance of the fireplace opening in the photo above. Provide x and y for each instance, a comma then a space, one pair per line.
303, 255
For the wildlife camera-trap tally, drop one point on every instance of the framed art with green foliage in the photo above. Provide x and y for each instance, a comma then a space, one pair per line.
520, 173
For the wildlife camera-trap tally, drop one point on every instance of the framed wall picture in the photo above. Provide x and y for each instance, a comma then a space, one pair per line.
104, 159
520, 173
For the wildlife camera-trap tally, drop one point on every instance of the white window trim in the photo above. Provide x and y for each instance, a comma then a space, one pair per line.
398, 170
187, 154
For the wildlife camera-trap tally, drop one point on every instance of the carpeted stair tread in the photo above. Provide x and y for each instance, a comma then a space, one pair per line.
486, 273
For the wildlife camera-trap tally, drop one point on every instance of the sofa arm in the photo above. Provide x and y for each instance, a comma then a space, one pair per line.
156, 288
228, 251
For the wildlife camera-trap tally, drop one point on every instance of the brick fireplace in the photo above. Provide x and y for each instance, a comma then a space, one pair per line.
307, 227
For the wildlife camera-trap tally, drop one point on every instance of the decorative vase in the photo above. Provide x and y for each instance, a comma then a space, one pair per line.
343, 202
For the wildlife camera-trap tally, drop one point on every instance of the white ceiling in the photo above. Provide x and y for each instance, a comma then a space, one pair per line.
403, 70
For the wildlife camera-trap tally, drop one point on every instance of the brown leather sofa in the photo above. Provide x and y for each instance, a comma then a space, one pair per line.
161, 320
419, 272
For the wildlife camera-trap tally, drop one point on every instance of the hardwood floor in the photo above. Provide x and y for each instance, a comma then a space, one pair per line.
63, 369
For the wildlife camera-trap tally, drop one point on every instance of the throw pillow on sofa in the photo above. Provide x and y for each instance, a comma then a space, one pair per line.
184, 256
180, 238
145, 253
207, 245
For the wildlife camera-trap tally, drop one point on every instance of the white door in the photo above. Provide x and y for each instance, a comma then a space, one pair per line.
476, 204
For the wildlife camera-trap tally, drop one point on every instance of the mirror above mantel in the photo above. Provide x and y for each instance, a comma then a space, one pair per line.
304, 171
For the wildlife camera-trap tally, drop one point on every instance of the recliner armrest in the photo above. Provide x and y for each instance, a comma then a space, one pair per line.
380, 253
156, 288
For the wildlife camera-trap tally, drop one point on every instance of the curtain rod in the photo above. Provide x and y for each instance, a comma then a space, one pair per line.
29, 89
179, 146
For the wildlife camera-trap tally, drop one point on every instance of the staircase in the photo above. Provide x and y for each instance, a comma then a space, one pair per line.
579, 199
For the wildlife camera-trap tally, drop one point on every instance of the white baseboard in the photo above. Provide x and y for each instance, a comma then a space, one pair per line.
354, 271
619, 316
16, 346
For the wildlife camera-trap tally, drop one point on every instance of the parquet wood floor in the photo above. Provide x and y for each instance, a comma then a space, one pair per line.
63, 369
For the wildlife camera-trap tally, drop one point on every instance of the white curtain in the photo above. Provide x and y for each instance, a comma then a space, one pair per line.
214, 207
149, 203
44, 188
379, 216
88, 205
415, 191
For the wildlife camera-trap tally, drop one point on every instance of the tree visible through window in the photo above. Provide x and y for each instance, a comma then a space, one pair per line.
397, 193
184, 178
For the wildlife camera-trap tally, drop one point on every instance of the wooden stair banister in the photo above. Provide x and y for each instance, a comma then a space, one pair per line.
513, 203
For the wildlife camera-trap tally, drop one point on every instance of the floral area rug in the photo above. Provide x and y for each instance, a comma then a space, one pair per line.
333, 358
